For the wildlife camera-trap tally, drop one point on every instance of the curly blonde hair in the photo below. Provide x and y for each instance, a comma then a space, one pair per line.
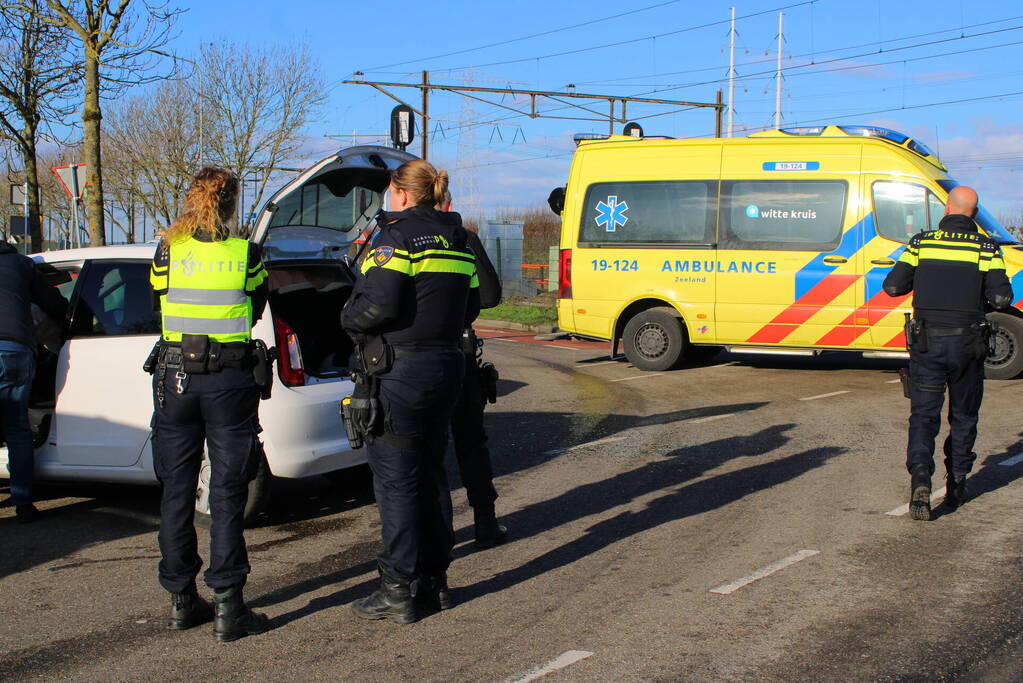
209, 205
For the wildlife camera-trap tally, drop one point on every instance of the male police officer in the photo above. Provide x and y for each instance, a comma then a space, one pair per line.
951, 272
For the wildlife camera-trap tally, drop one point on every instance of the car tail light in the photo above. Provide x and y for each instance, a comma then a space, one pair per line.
565, 274
289, 354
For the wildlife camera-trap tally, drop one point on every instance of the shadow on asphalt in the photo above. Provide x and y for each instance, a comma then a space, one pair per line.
990, 476
680, 500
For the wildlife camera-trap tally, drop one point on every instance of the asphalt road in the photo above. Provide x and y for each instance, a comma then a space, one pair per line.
732, 521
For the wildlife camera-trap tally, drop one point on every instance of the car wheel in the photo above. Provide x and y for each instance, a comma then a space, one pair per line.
1007, 360
654, 340
259, 492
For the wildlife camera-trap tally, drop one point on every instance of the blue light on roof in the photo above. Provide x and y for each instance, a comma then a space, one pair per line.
876, 132
804, 130
920, 148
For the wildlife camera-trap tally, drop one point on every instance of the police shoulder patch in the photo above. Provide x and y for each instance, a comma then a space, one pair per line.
382, 255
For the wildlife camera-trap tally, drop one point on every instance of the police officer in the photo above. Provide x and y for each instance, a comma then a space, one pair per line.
467, 430
211, 290
418, 292
952, 272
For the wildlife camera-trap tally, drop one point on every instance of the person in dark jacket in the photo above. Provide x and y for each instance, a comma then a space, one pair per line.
418, 292
954, 273
20, 287
467, 429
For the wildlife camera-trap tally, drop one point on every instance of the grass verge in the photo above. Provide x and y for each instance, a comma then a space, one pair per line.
521, 313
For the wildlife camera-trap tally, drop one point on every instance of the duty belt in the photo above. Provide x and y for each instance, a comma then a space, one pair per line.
950, 331
406, 351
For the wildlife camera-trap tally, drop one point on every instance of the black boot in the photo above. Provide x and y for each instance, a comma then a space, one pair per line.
393, 600
920, 493
233, 619
188, 610
488, 532
432, 592
955, 490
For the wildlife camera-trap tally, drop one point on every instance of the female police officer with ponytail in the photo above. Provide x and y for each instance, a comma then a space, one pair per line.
419, 290
211, 289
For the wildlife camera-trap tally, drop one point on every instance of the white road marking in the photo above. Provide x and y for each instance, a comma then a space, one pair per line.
893, 381
567, 348
563, 660
610, 439
1016, 459
590, 365
710, 418
833, 393
766, 571
904, 508
626, 379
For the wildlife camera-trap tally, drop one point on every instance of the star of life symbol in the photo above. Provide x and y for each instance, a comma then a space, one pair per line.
611, 213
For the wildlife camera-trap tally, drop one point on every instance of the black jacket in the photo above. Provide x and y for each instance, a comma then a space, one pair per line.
20, 287
952, 273
490, 283
419, 286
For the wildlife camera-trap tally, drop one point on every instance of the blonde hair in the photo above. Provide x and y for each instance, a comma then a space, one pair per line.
425, 184
209, 205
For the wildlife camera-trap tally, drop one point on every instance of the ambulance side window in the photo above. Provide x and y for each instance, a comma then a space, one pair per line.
649, 212
903, 209
794, 215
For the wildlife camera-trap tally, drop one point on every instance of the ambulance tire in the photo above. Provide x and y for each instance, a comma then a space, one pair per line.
654, 339
1007, 360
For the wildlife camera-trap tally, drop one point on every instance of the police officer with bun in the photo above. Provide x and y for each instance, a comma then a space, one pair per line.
953, 272
418, 292
211, 289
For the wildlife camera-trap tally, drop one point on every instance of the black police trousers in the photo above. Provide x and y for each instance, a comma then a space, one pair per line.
221, 410
470, 439
952, 363
417, 396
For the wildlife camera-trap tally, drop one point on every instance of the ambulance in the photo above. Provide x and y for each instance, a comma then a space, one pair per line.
774, 243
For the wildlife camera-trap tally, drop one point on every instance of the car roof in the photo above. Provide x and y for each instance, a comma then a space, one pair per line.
117, 251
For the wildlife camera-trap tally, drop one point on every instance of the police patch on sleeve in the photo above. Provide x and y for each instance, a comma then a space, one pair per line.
382, 255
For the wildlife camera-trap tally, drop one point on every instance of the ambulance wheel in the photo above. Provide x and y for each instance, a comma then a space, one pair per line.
654, 339
1007, 360
255, 503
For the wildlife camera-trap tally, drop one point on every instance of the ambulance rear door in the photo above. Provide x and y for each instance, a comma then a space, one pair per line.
789, 243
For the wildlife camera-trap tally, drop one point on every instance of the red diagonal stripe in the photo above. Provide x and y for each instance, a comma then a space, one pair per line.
847, 331
823, 293
897, 342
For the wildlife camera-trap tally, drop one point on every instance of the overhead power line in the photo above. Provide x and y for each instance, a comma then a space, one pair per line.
529, 37
656, 36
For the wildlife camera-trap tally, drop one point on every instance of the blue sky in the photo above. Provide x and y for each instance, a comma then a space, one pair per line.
845, 61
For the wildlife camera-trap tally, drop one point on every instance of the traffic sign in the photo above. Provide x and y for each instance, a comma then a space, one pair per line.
72, 177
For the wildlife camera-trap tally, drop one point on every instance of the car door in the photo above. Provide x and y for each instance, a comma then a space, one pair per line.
900, 209
104, 404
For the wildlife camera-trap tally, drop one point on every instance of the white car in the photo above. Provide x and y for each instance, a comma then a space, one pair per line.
92, 403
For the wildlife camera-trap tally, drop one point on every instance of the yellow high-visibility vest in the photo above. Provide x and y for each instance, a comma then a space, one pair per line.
207, 286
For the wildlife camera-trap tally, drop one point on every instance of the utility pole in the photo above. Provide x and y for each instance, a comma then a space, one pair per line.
731, 74
426, 115
717, 113
777, 92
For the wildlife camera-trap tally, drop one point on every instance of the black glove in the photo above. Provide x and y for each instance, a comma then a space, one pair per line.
364, 408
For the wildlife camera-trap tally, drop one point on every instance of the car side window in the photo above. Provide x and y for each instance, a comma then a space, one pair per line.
114, 298
901, 210
790, 215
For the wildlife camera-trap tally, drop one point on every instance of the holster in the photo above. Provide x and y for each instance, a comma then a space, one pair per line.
916, 334
262, 367
153, 358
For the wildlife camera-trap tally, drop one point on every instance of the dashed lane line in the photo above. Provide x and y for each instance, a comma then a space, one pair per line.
764, 572
893, 381
829, 395
710, 418
904, 508
565, 659
1014, 460
591, 365
598, 442
626, 379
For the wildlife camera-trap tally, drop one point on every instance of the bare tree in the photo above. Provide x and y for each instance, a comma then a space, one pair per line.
152, 148
37, 76
117, 39
257, 101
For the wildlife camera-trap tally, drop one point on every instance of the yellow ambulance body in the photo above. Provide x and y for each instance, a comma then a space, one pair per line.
778, 242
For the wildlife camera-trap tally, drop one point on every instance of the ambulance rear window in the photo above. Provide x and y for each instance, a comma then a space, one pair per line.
798, 215
649, 212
